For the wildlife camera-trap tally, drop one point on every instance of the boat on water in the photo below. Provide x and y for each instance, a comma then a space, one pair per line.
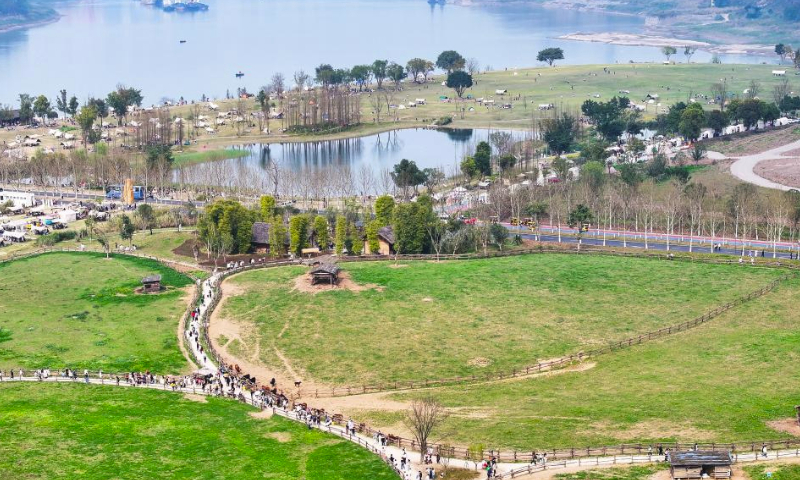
183, 6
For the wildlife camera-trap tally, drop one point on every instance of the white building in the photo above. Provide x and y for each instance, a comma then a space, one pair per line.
19, 199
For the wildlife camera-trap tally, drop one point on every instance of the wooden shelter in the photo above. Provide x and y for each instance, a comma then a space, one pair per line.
700, 464
151, 284
797, 409
386, 241
324, 273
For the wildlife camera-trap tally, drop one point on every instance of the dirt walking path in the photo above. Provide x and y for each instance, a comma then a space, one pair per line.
744, 167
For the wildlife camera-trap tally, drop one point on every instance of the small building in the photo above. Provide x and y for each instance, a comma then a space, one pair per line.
151, 284
797, 409
700, 464
260, 237
18, 199
325, 273
386, 242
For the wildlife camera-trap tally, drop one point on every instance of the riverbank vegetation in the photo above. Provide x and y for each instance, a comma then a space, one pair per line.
16, 14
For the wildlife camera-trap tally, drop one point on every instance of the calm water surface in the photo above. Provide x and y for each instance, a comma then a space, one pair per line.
100, 43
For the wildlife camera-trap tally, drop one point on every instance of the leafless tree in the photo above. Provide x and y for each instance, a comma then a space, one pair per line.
278, 84
472, 66
720, 91
424, 416
753, 89
300, 80
781, 90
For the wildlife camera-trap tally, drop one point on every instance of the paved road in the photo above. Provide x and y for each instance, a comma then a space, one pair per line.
68, 196
657, 245
743, 167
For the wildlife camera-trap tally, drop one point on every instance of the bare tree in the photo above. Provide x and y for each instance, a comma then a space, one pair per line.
424, 416
781, 90
472, 66
278, 84
753, 89
720, 91
300, 79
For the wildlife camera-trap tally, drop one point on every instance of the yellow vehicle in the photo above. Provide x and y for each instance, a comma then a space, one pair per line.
585, 227
515, 221
494, 219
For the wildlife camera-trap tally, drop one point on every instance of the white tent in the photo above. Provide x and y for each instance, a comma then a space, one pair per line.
68, 215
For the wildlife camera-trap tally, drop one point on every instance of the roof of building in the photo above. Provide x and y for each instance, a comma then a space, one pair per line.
325, 269
387, 234
261, 233
152, 279
697, 458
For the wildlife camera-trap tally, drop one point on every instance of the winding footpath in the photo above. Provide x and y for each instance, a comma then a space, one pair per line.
743, 167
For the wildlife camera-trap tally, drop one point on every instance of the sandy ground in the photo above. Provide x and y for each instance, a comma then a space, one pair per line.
196, 398
785, 171
659, 41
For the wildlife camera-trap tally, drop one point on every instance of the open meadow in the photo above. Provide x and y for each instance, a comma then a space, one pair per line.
80, 310
431, 320
732, 379
94, 432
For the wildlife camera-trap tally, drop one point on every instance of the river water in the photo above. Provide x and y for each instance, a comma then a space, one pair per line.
370, 155
100, 43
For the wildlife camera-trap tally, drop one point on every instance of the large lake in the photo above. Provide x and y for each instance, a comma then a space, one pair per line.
443, 149
100, 43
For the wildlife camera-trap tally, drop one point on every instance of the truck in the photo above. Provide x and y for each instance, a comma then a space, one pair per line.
114, 192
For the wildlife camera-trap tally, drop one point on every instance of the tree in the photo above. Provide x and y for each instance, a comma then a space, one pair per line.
450, 61
780, 91
483, 158
384, 210
101, 107
300, 79
61, 102
267, 207
698, 153
424, 416
86, 121
126, 228
228, 221
277, 237
472, 66
73, 106
42, 107
561, 167
410, 222
693, 119
378, 69
25, 108
750, 112
689, 52
372, 237
361, 74
90, 224
340, 234
406, 174
668, 52
123, 98
717, 121
396, 74
418, 66
321, 231
278, 84
720, 92
459, 81
506, 162
560, 133
499, 234
469, 168
298, 234
146, 216
578, 218
780, 50
550, 55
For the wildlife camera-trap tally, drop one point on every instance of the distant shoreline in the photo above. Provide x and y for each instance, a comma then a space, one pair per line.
31, 24
633, 39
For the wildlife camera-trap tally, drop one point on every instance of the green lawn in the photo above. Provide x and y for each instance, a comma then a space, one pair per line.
430, 320
80, 310
94, 432
719, 382
636, 472
773, 472
189, 157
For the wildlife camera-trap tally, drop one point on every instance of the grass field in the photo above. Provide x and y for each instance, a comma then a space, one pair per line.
80, 310
93, 432
773, 472
430, 320
191, 157
719, 382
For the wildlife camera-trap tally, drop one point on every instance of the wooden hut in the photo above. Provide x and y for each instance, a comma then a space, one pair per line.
386, 242
151, 284
324, 273
797, 409
700, 464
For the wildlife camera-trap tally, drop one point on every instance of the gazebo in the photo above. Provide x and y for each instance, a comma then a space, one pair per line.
324, 273
700, 464
151, 284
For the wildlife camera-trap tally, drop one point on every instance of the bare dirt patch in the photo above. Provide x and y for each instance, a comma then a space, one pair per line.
785, 171
654, 428
283, 437
398, 265
196, 398
788, 425
263, 414
749, 143
479, 362
303, 284
427, 299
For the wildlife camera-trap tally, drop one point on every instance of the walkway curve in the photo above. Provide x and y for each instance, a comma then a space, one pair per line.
743, 167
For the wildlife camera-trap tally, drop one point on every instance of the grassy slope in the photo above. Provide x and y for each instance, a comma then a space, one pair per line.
777, 472
93, 432
719, 382
80, 310
434, 320
190, 157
